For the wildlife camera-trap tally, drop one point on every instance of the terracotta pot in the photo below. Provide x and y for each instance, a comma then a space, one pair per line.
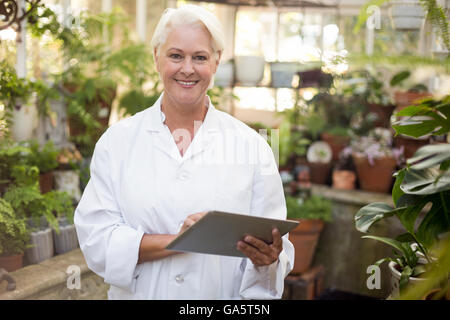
383, 113
46, 182
407, 98
337, 143
319, 172
11, 263
344, 179
376, 178
410, 145
304, 238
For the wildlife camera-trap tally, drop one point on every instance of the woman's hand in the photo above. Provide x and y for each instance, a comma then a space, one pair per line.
259, 252
190, 220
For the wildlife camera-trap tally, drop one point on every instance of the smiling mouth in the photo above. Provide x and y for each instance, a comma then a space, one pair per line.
187, 83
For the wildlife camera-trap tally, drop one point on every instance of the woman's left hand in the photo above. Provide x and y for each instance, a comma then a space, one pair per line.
259, 252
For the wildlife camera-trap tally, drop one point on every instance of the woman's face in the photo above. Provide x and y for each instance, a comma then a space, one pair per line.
186, 63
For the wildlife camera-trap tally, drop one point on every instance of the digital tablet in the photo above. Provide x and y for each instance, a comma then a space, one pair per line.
219, 232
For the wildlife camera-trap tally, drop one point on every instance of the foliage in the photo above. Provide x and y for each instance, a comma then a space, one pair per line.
377, 144
69, 158
60, 203
398, 80
11, 154
45, 157
314, 207
423, 185
14, 235
292, 142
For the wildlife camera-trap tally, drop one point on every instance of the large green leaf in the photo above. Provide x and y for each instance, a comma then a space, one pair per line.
409, 215
434, 223
396, 191
425, 181
371, 213
414, 128
429, 156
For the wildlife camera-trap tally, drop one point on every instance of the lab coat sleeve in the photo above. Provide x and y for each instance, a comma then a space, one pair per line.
110, 246
267, 282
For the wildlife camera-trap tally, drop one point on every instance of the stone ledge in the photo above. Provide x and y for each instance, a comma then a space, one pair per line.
35, 281
355, 197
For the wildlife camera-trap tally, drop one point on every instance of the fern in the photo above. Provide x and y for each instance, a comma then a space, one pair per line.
14, 235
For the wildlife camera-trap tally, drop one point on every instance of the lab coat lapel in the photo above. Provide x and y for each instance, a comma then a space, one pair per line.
161, 137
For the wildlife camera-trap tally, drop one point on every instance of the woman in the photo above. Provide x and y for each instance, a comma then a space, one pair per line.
155, 174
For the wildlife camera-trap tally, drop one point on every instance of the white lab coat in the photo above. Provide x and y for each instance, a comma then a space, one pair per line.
141, 184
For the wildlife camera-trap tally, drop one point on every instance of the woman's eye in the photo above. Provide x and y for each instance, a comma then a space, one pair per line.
175, 56
201, 58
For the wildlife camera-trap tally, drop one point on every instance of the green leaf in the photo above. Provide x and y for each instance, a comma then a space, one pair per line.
409, 215
433, 224
393, 243
423, 182
429, 156
404, 278
371, 213
399, 78
416, 129
396, 191
405, 237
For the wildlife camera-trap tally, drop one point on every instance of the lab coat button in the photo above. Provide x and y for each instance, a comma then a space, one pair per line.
184, 175
179, 278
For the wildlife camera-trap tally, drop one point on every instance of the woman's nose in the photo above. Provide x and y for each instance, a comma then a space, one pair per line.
187, 67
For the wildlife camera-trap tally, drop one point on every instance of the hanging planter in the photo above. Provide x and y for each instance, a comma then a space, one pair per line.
224, 76
406, 14
25, 120
249, 70
282, 74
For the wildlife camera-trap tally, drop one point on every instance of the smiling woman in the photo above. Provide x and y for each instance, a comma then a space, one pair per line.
155, 174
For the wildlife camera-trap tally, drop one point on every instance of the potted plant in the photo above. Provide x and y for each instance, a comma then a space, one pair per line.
344, 176
407, 94
64, 236
319, 157
19, 100
14, 238
425, 180
378, 100
11, 154
67, 174
45, 158
375, 159
312, 212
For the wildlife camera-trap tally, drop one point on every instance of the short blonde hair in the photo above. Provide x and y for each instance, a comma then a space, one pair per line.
189, 14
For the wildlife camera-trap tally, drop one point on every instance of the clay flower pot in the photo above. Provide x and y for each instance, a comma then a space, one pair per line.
337, 143
383, 114
46, 182
410, 145
407, 98
344, 179
11, 263
319, 172
376, 177
305, 238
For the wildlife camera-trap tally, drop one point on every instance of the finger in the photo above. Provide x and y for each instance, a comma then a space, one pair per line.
259, 244
197, 216
251, 252
277, 241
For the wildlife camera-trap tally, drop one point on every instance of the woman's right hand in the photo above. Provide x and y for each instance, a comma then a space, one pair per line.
190, 220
